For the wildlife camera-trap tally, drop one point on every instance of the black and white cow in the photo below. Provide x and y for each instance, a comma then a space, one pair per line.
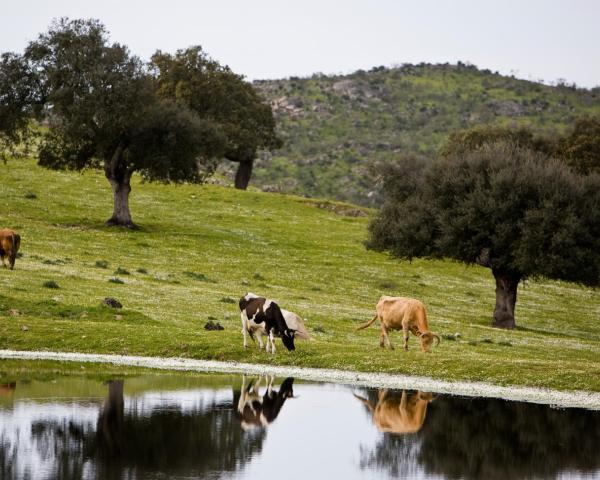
258, 312
256, 410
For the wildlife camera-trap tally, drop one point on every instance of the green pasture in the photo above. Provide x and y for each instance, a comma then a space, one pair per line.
200, 248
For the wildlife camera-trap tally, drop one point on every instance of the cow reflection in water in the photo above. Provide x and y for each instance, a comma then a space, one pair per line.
255, 410
7, 389
399, 415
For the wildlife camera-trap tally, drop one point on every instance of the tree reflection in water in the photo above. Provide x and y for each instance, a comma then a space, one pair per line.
198, 433
132, 444
491, 439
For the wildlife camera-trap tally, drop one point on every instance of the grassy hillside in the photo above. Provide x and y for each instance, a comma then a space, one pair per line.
336, 127
201, 248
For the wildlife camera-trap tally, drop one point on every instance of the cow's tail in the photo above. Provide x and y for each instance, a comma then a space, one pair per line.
368, 324
365, 402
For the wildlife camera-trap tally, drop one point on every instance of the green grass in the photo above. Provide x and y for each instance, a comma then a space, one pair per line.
200, 247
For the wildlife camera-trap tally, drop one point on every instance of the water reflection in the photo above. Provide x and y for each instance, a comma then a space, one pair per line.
399, 414
137, 439
158, 427
6, 389
494, 439
255, 410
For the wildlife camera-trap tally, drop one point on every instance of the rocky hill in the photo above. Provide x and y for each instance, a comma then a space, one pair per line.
335, 128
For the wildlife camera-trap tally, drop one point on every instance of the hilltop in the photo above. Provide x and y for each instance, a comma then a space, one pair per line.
200, 248
336, 128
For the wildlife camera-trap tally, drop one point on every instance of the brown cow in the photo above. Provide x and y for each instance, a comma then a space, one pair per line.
406, 314
10, 241
399, 416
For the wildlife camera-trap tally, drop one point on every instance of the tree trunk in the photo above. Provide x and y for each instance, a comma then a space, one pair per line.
110, 421
243, 174
119, 176
506, 298
121, 215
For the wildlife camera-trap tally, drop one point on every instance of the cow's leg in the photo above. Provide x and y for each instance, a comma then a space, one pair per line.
244, 329
243, 395
272, 338
270, 385
404, 401
383, 392
405, 333
2, 258
257, 385
12, 257
385, 336
259, 338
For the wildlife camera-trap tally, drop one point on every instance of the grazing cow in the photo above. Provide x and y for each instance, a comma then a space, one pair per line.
255, 410
294, 322
406, 314
262, 313
399, 416
10, 241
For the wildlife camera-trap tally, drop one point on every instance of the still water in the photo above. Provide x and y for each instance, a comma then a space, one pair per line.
213, 426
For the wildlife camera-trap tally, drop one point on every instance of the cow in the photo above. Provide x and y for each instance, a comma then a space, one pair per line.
10, 241
255, 410
261, 313
399, 416
294, 322
406, 314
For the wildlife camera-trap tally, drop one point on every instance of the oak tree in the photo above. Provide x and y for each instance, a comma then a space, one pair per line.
501, 206
190, 77
101, 110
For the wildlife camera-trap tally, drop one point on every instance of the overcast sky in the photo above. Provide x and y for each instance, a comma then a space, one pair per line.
533, 39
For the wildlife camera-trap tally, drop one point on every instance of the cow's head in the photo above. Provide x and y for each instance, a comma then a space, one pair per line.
427, 339
288, 339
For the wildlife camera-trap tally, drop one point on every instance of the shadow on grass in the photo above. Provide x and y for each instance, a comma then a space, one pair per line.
559, 333
15, 308
100, 225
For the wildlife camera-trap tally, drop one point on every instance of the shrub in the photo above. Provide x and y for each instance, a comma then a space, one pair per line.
50, 284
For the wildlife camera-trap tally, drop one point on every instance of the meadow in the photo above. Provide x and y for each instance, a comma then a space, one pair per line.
199, 248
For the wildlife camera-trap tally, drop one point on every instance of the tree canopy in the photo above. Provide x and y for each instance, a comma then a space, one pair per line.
214, 92
16, 104
501, 206
171, 120
464, 141
580, 148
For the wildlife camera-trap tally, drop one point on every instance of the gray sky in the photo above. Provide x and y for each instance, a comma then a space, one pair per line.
533, 39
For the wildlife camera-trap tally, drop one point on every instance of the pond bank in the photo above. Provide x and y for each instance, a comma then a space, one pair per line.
565, 399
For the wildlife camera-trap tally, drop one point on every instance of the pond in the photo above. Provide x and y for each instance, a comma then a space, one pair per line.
218, 426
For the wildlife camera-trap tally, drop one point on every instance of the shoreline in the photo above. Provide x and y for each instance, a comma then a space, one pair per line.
562, 399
